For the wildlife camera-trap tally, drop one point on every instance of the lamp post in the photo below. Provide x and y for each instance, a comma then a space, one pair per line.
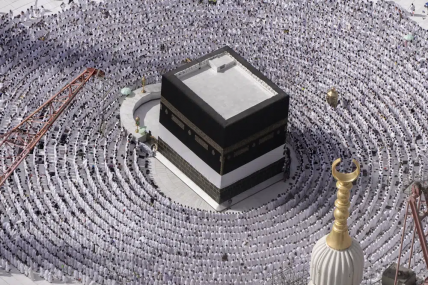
143, 81
332, 97
137, 123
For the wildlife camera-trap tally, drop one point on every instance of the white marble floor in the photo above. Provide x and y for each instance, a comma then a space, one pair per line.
420, 16
16, 278
51, 6
149, 114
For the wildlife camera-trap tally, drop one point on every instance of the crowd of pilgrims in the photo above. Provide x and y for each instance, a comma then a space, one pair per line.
83, 204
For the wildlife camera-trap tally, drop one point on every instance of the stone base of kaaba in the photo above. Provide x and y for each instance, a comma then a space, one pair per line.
221, 196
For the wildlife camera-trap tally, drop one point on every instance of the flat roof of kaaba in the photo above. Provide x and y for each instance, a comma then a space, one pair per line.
225, 84
248, 118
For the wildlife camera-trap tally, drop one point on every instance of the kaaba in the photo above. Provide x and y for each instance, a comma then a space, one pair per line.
222, 123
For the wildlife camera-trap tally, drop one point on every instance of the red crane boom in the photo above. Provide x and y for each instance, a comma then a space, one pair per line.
414, 202
19, 141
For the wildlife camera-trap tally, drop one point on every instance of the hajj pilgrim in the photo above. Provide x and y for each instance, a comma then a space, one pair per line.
83, 205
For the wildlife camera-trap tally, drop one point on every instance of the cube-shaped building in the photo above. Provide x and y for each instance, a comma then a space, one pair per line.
222, 123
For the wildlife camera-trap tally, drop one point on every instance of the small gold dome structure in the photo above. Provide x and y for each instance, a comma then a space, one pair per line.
332, 97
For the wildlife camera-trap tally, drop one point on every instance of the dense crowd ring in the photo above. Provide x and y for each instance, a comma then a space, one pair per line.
83, 204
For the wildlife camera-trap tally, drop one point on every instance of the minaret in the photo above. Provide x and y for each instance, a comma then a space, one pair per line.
337, 258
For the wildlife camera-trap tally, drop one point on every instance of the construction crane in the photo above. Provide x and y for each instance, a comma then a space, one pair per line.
19, 141
414, 203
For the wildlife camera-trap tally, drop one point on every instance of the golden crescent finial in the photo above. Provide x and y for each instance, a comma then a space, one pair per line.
339, 238
345, 177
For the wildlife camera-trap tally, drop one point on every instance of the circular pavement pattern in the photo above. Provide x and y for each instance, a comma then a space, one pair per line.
114, 222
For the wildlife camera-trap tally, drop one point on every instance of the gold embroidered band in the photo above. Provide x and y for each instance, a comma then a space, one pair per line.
205, 138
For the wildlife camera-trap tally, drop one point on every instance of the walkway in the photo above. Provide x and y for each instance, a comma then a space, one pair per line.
420, 12
16, 278
51, 6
